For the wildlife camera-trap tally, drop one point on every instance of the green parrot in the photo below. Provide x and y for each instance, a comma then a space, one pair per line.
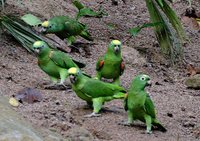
139, 104
111, 65
53, 62
94, 91
66, 27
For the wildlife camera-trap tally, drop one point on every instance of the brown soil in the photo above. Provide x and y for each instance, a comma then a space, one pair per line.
60, 111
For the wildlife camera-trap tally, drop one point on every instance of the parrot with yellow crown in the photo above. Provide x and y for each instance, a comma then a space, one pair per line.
66, 27
53, 62
94, 91
111, 65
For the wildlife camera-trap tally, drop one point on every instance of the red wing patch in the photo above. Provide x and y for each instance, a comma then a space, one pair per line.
122, 67
101, 64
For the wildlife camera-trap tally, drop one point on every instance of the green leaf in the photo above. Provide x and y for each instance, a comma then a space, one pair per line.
162, 32
174, 20
20, 31
31, 19
134, 31
160, 2
78, 4
168, 35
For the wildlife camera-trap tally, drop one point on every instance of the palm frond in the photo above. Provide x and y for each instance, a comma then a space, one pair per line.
168, 35
173, 19
2, 4
20, 31
162, 32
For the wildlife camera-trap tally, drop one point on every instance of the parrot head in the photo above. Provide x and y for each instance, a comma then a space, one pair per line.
115, 46
74, 74
141, 81
40, 47
49, 27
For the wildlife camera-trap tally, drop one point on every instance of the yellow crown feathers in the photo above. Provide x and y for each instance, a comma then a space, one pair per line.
116, 42
73, 70
45, 24
37, 43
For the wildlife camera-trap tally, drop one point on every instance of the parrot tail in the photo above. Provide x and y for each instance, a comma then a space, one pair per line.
86, 35
159, 125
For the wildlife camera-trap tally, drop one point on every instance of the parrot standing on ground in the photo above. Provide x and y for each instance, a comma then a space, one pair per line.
66, 27
53, 62
139, 104
94, 91
111, 65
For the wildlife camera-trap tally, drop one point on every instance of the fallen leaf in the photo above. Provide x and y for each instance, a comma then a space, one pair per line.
13, 102
28, 95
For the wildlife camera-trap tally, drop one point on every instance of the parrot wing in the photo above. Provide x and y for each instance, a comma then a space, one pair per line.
99, 63
61, 59
149, 106
73, 27
122, 67
86, 35
95, 88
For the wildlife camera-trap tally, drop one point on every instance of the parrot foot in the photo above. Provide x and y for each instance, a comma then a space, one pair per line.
125, 123
92, 115
148, 132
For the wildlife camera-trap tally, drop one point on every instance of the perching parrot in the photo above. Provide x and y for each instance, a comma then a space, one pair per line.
94, 91
66, 27
53, 62
139, 104
111, 65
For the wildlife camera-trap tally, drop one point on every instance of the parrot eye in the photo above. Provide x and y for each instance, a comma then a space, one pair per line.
142, 78
78, 73
50, 26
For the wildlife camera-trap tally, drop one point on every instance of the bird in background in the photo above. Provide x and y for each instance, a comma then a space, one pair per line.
66, 27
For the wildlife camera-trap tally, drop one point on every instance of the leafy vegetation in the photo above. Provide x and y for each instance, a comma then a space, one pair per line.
170, 33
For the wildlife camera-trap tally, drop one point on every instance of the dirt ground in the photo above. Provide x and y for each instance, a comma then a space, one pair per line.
177, 107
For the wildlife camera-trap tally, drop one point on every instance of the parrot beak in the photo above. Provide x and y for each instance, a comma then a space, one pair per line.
43, 30
37, 51
116, 48
72, 79
149, 83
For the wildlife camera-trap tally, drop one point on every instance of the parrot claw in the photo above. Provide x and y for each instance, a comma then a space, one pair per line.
92, 115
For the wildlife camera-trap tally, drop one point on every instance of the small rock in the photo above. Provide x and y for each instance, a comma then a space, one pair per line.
188, 124
28, 95
182, 108
158, 83
170, 115
114, 2
57, 102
